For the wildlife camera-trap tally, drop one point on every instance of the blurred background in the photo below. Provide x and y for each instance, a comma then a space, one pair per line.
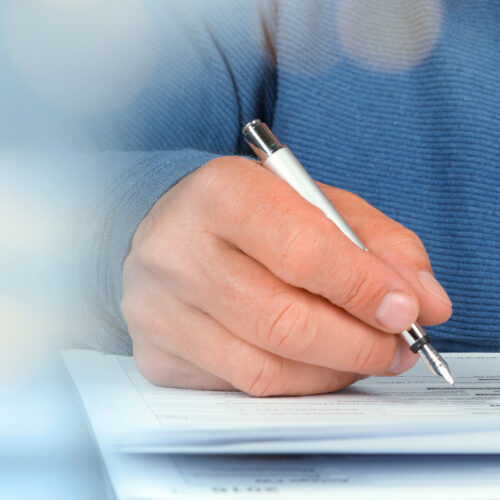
45, 448
73, 75
61, 63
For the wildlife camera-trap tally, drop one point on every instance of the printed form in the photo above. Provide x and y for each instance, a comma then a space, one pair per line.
413, 413
323, 477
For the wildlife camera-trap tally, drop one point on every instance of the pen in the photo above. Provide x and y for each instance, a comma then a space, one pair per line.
279, 160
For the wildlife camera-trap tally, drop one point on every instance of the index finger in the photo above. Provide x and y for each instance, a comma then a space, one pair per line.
266, 219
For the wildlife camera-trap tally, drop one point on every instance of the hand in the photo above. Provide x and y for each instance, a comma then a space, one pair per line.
235, 281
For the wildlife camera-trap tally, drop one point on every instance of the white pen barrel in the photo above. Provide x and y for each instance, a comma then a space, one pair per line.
285, 165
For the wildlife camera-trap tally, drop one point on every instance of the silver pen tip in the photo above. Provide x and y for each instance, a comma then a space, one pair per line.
435, 362
445, 373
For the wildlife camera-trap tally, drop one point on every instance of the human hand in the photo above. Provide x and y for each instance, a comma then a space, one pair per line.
235, 281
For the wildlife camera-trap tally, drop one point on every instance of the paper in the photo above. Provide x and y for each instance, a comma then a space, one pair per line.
413, 413
348, 477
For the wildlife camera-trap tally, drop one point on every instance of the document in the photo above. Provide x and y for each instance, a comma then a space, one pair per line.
347, 477
413, 413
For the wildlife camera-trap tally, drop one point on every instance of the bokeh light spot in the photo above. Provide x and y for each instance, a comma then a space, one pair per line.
388, 35
313, 49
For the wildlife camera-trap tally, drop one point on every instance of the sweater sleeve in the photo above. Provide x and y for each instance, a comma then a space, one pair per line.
108, 220
213, 73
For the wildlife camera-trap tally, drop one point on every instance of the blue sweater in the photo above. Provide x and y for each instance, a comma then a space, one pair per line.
397, 101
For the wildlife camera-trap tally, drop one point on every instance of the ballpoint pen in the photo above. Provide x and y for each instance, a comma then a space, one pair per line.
279, 160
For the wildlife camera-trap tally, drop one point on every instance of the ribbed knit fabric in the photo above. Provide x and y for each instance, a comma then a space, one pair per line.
397, 101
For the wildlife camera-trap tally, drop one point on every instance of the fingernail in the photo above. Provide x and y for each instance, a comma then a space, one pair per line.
432, 285
403, 360
396, 312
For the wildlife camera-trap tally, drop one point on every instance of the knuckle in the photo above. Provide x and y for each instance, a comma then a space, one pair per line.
150, 251
159, 259
142, 363
408, 242
357, 288
407, 238
209, 175
373, 357
214, 189
215, 176
142, 316
148, 373
338, 381
151, 372
132, 306
128, 271
126, 307
416, 241
304, 250
350, 288
133, 313
264, 378
290, 328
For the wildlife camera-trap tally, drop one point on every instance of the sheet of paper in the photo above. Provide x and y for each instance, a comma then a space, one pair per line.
350, 477
413, 413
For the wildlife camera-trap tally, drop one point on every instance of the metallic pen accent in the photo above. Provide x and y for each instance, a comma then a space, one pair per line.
278, 159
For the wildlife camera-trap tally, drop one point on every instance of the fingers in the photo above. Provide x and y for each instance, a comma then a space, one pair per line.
197, 338
166, 370
398, 247
256, 306
269, 221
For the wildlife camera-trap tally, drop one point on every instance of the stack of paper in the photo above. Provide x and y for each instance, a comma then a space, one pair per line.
325, 477
137, 425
